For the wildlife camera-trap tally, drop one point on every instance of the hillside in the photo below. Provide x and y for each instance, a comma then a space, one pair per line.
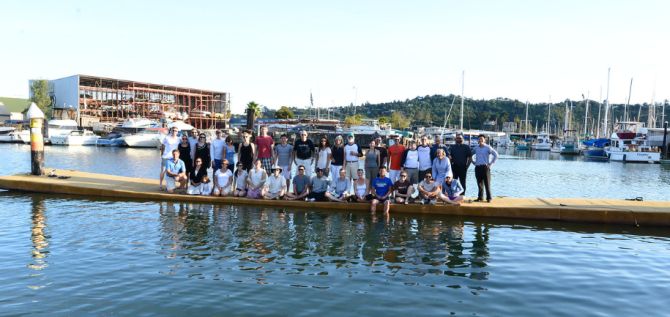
15, 104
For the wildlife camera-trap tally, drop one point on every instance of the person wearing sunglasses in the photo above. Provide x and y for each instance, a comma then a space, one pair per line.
199, 183
301, 184
428, 189
241, 176
202, 151
403, 189
169, 144
451, 192
304, 152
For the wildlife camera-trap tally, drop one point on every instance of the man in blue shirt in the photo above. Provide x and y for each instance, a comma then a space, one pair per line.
381, 189
175, 169
483, 162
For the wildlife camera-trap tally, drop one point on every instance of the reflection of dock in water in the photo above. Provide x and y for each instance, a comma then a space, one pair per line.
649, 213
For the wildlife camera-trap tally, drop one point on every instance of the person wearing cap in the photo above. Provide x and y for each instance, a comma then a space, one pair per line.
264, 148
339, 188
300, 185
256, 181
275, 187
169, 143
337, 155
223, 180
451, 192
395, 153
485, 157
352, 154
175, 172
283, 153
461, 157
381, 187
304, 152
241, 177
318, 187
217, 150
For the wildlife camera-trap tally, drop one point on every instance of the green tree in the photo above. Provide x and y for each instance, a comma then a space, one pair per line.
284, 113
384, 120
40, 96
253, 112
399, 121
353, 120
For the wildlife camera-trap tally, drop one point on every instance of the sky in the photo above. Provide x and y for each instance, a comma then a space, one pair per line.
277, 52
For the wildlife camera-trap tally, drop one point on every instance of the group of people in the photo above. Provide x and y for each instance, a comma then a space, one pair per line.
343, 172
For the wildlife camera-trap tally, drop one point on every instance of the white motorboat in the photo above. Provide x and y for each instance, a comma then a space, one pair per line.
79, 137
58, 127
22, 136
543, 142
7, 134
629, 144
149, 138
139, 123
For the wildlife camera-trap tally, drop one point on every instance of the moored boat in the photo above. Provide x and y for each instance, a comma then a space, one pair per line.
79, 137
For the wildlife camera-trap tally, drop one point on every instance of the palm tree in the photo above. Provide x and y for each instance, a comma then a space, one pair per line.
253, 112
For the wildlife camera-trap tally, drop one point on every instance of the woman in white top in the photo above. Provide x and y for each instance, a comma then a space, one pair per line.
256, 180
223, 180
361, 188
275, 187
240, 181
324, 156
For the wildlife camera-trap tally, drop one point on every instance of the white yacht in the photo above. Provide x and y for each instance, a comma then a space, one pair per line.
79, 137
149, 138
58, 127
629, 144
139, 123
22, 136
7, 134
543, 142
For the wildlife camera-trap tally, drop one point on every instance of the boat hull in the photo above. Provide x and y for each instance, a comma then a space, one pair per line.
635, 157
142, 141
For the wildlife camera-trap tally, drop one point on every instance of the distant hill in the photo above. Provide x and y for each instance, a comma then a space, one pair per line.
15, 104
482, 113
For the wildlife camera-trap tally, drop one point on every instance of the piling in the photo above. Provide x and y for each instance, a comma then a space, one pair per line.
36, 117
665, 140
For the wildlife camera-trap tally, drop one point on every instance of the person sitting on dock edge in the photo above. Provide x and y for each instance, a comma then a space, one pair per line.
319, 186
403, 189
223, 180
381, 187
451, 192
275, 187
339, 188
300, 185
170, 143
198, 174
241, 176
428, 189
256, 181
175, 170
361, 188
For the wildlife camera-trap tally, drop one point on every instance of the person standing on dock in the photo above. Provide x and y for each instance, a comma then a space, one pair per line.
383, 152
461, 158
175, 172
437, 144
230, 153
395, 152
202, 150
372, 162
170, 143
217, 150
425, 163
441, 166
337, 155
483, 163
352, 154
185, 153
410, 163
193, 140
264, 148
304, 152
324, 156
246, 151
283, 158
382, 188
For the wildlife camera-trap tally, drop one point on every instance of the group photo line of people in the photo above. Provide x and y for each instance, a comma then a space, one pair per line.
260, 169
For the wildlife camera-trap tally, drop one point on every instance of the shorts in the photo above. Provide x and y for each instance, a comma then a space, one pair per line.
394, 175
225, 191
170, 183
254, 193
317, 196
267, 164
381, 200
371, 172
274, 195
352, 170
285, 172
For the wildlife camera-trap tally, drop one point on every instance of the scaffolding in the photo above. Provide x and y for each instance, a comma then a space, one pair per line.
114, 100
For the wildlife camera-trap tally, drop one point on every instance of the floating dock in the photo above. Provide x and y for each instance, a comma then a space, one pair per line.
607, 211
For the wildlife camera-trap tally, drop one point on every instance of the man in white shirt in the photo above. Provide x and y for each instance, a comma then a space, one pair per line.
352, 154
275, 186
171, 142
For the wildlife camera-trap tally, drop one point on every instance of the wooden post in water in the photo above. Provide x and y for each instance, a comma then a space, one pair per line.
664, 152
36, 117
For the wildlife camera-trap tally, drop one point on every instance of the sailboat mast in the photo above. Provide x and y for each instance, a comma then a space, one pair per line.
607, 104
525, 134
586, 114
600, 103
625, 108
462, 96
565, 122
549, 117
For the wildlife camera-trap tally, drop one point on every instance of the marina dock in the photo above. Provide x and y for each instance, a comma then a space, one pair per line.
606, 211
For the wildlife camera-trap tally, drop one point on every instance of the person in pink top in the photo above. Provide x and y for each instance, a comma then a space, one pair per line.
264, 148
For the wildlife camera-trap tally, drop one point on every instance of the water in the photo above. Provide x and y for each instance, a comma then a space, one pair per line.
76, 256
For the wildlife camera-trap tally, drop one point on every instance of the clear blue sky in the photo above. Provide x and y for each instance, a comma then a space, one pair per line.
275, 52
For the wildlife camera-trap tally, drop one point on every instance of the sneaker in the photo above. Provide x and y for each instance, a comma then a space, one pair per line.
312, 200
432, 201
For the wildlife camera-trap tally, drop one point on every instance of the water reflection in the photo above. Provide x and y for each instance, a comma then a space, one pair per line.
276, 246
39, 238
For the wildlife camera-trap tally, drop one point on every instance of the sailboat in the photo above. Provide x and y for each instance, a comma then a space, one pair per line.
522, 145
570, 138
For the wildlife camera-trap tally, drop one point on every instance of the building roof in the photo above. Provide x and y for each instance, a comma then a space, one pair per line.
13, 104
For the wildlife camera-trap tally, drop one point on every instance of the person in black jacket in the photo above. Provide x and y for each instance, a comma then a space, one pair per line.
461, 157
202, 151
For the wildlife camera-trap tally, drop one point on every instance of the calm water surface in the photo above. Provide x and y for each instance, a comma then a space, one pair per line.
75, 256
